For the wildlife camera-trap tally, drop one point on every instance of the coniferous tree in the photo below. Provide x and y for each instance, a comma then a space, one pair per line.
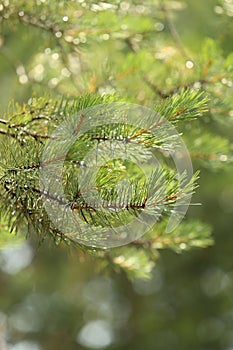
90, 56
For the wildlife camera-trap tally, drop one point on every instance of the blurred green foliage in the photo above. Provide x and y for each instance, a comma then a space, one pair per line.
143, 52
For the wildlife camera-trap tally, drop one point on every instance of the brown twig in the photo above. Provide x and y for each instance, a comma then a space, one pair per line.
7, 133
3, 121
173, 91
174, 32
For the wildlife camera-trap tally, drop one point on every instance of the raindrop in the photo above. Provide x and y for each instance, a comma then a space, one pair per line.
183, 246
58, 34
159, 26
26, 345
55, 56
223, 158
96, 335
218, 9
197, 85
68, 38
105, 36
76, 41
189, 64
47, 51
53, 82
124, 26
124, 5
16, 259
20, 70
23, 79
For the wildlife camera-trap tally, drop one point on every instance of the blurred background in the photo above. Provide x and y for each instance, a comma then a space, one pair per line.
51, 297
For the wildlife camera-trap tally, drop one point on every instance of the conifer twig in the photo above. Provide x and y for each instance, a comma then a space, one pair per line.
174, 32
6, 133
171, 92
3, 121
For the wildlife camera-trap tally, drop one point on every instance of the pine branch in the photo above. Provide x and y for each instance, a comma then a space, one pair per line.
186, 105
22, 194
187, 235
